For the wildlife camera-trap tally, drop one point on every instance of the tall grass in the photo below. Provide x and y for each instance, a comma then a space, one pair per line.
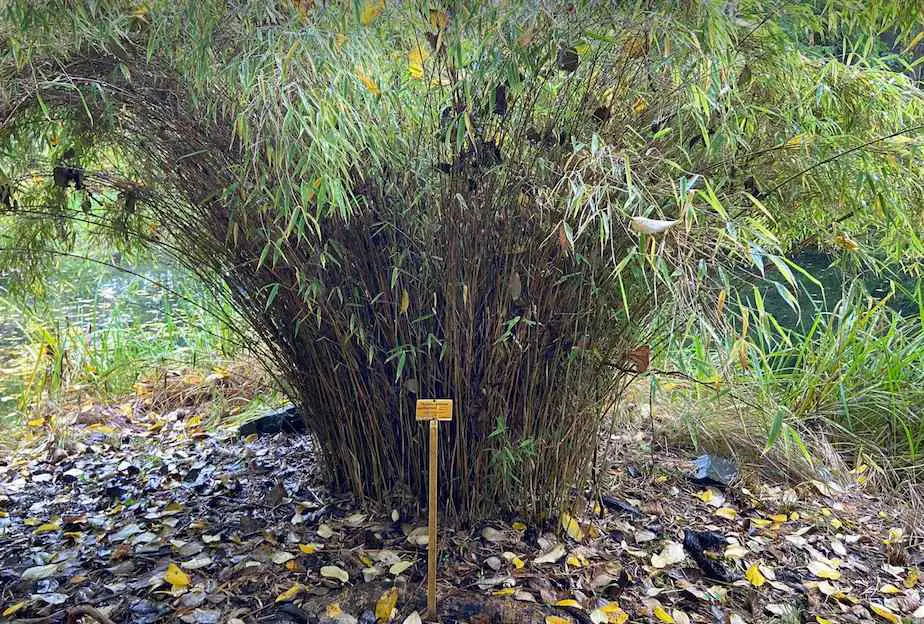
854, 373
83, 339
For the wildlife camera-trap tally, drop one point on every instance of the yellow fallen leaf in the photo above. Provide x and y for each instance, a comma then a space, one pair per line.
335, 572
333, 610
10, 610
386, 604
175, 576
370, 11
518, 526
821, 620
912, 579
507, 591
405, 302
612, 612
309, 549
779, 518
554, 619
48, 527
339, 40
571, 527
35, 422
706, 495
885, 614
823, 570
760, 523
754, 576
662, 614
567, 602
517, 563
889, 588
290, 593
726, 512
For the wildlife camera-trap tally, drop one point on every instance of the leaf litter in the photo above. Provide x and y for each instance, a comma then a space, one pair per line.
167, 521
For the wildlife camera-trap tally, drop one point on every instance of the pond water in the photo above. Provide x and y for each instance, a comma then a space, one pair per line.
86, 296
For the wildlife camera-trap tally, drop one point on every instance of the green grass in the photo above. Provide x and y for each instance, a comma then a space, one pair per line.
95, 331
854, 374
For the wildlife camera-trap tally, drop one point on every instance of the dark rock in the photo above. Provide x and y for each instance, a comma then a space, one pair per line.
285, 420
713, 470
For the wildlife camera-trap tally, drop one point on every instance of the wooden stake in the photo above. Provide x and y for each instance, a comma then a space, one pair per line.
432, 540
433, 410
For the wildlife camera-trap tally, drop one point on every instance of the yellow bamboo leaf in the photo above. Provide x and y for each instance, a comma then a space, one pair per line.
367, 80
571, 527
415, 61
554, 619
175, 576
823, 570
290, 593
507, 591
309, 549
438, 19
518, 526
662, 615
14, 608
885, 614
36, 422
754, 576
567, 602
821, 620
726, 512
371, 10
913, 577
339, 40
48, 527
405, 302
386, 604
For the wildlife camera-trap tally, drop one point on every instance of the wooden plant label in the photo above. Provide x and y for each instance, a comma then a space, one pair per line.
433, 410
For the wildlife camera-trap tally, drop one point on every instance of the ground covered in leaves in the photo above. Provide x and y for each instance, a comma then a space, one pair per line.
137, 518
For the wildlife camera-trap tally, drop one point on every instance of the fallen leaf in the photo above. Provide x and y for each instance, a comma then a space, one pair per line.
726, 512
399, 567
38, 573
367, 80
48, 527
281, 556
554, 619
492, 535
309, 549
671, 553
413, 618
662, 615
335, 572
885, 614
415, 61
736, 552
551, 556
386, 604
754, 576
290, 593
175, 576
325, 532
571, 526
823, 570
14, 608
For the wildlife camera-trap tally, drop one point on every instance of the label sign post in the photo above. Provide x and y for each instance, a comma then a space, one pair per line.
433, 410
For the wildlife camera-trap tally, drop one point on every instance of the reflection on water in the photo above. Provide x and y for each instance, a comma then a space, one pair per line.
83, 296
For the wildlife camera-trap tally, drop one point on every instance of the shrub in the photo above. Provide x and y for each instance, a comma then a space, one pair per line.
409, 201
